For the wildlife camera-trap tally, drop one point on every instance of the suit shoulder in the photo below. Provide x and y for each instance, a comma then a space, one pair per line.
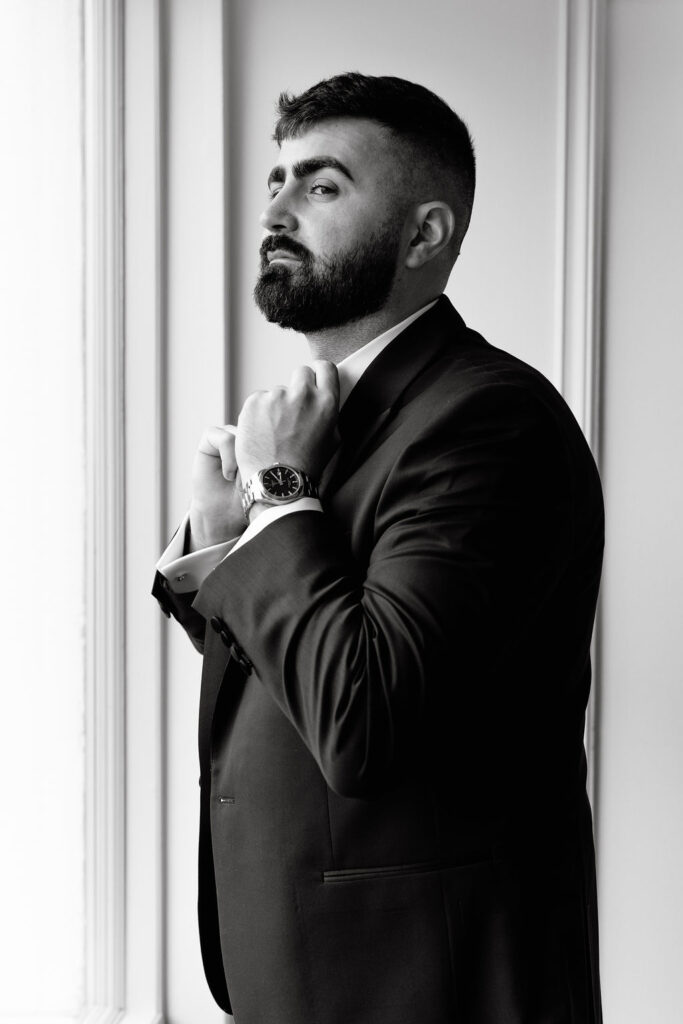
477, 389
478, 363
477, 373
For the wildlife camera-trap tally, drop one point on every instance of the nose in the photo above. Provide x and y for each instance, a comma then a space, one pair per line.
278, 214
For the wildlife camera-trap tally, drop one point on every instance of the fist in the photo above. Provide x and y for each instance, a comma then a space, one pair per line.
294, 425
216, 509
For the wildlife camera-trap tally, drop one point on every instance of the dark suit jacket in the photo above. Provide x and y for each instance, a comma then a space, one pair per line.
394, 821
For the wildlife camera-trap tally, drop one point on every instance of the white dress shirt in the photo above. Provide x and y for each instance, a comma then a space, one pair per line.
187, 572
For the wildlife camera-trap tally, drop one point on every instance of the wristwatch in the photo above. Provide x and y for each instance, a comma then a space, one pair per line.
277, 485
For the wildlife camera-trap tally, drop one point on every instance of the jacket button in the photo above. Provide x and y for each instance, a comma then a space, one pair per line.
241, 658
219, 626
228, 639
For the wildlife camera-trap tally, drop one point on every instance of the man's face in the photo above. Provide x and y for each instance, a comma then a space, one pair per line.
334, 227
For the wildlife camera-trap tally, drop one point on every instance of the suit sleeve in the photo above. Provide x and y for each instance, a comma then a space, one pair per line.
178, 604
470, 534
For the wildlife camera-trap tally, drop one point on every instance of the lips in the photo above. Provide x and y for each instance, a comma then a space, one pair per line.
281, 254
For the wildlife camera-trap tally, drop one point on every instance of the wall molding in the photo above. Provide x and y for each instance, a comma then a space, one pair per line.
105, 634
160, 228
125, 161
577, 354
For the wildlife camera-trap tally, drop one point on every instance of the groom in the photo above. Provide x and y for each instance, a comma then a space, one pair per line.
391, 566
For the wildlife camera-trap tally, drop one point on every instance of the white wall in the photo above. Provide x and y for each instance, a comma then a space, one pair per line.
640, 810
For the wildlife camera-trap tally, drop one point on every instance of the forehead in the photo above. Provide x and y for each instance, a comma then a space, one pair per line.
360, 144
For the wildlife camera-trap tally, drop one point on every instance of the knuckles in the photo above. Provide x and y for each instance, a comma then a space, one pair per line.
252, 399
303, 393
282, 405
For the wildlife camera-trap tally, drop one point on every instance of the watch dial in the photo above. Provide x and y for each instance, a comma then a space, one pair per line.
281, 481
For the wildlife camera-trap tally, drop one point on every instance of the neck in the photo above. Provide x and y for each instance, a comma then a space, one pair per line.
337, 343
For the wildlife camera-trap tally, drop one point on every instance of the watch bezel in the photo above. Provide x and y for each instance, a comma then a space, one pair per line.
267, 493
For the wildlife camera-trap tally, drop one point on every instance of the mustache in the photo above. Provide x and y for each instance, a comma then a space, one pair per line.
284, 244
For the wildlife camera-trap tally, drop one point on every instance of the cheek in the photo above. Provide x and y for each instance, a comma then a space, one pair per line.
345, 231
328, 243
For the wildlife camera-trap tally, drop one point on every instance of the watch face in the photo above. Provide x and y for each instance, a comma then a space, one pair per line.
281, 482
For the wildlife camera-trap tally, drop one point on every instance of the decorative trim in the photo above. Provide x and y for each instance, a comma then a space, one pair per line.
561, 194
104, 615
230, 408
581, 65
579, 239
161, 213
103, 1015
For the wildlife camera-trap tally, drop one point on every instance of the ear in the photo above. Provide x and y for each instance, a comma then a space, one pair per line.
432, 228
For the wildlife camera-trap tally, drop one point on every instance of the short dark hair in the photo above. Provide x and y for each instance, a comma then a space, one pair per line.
439, 138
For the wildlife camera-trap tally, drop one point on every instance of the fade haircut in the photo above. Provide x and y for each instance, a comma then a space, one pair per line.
441, 150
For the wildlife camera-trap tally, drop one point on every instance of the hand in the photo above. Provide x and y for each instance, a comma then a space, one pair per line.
294, 425
216, 508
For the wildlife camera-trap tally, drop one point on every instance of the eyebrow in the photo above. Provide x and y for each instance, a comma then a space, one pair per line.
302, 168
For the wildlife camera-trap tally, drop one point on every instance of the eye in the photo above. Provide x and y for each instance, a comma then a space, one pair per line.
323, 190
272, 192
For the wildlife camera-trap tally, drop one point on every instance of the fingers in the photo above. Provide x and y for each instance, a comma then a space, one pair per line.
219, 442
303, 376
321, 374
327, 378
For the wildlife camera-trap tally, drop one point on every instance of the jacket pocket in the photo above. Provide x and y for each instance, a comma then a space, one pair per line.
392, 870
377, 948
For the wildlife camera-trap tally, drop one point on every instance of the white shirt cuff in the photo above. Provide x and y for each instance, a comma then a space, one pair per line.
186, 573
276, 512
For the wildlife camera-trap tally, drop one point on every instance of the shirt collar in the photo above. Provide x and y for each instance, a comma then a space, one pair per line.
354, 366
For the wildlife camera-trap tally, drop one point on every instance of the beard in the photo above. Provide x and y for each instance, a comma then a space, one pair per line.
323, 292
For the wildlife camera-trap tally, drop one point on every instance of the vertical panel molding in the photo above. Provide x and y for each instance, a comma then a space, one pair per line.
160, 292
581, 63
145, 161
104, 555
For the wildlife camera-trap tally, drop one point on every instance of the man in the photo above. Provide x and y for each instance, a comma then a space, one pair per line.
395, 828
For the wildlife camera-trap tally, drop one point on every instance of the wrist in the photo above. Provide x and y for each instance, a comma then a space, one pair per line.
207, 529
257, 509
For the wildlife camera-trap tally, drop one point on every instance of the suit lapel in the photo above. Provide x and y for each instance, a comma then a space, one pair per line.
380, 391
